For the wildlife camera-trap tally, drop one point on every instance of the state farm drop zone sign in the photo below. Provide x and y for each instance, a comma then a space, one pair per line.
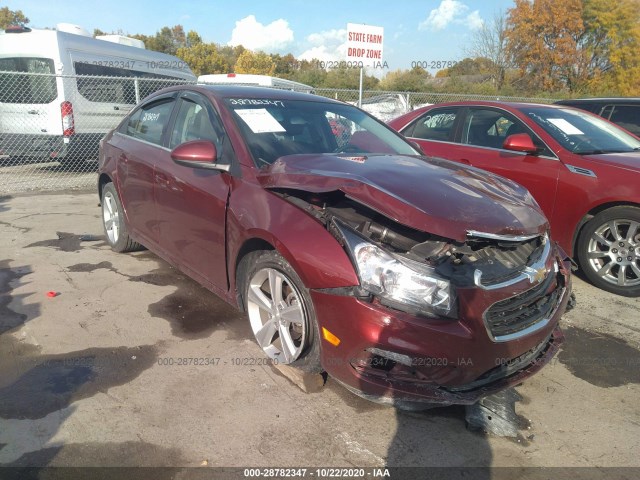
364, 44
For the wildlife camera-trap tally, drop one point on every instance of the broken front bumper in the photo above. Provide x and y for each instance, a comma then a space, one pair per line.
397, 358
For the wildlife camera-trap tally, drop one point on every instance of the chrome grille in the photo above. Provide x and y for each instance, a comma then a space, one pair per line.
516, 314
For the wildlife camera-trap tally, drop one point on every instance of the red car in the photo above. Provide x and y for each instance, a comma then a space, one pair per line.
340, 256
583, 171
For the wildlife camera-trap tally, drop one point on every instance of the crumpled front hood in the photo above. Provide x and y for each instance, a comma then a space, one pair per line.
432, 195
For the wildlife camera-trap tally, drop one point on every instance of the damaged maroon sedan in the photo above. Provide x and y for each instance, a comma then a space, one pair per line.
407, 279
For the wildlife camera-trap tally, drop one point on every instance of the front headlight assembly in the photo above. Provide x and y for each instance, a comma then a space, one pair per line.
398, 282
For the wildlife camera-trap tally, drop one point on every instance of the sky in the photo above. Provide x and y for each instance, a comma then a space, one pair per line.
414, 31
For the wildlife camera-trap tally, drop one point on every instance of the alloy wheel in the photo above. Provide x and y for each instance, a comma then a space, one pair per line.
111, 217
277, 315
613, 252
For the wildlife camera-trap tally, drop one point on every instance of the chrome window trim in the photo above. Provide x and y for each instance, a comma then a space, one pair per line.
512, 152
143, 141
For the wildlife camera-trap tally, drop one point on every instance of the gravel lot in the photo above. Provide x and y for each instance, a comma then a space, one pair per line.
92, 376
19, 176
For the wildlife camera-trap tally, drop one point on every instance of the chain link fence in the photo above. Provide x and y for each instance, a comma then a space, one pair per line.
51, 125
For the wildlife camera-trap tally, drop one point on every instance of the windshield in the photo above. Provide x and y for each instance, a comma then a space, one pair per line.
275, 128
582, 133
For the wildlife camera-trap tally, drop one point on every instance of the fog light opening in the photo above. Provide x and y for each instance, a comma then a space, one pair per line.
393, 356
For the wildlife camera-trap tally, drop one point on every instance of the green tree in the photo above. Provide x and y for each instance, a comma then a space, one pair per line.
193, 38
285, 65
231, 54
204, 58
414, 80
468, 66
349, 78
307, 72
166, 40
11, 17
258, 63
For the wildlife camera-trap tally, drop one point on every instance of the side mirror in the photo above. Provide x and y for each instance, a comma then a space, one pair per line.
520, 142
198, 154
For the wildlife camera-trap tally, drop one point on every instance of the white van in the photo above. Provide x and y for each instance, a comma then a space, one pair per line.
254, 80
56, 99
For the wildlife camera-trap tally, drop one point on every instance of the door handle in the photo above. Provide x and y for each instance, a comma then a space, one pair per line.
33, 112
161, 180
465, 161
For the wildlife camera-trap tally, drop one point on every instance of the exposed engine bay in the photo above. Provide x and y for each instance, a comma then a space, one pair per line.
497, 259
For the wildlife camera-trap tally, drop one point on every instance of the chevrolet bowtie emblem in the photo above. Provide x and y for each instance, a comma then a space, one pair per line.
535, 275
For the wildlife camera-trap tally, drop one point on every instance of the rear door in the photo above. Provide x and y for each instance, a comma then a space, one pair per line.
138, 148
434, 131
191, 203
29, 104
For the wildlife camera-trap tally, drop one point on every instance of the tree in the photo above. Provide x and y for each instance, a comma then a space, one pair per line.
255, 63
468, 66
584, 46
307, 72
611, 42
349, 78
193, 38
97, 32
490, 42
543, 39
166, 40
231, 54
414, 80
285, 65
204, 58
11, 17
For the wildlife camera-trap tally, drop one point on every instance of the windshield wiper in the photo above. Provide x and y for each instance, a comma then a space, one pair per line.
600, 152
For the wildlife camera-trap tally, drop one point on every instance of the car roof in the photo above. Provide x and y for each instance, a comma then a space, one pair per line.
486, 103
600, 100
239, 91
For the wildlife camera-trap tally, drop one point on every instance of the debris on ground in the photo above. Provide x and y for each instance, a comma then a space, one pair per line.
495, 414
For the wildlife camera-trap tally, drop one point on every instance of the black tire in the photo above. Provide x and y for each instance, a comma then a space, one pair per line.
120, 242
249, 268
620, 254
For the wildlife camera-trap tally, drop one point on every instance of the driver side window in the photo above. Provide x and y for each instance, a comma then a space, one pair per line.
192, 123
490, 128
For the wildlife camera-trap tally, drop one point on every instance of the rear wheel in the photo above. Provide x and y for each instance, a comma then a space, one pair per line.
280, 311
113, 222
609, 250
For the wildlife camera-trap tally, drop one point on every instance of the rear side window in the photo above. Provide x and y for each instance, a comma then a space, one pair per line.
121, 87
628, 117
435, 125
20, 85
148, 122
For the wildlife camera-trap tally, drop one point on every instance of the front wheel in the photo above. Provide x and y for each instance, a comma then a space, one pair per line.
280, 310
609, 250
113, 222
